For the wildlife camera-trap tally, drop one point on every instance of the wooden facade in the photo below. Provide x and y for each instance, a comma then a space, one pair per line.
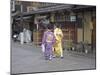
81, 30
73, 30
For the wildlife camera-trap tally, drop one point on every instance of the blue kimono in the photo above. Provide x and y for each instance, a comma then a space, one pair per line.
48, 41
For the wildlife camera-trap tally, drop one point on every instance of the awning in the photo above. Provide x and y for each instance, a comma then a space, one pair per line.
49, 9
57, 8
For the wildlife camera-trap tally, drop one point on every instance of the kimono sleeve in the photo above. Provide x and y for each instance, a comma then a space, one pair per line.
54, 39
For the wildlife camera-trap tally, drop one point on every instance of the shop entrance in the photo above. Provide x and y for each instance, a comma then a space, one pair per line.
70, 34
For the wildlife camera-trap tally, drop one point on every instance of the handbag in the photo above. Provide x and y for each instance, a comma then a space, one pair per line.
43, 47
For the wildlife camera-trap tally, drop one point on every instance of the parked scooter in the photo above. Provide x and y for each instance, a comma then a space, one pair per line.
15, 37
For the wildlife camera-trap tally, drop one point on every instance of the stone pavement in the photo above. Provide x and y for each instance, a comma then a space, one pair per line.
28, 58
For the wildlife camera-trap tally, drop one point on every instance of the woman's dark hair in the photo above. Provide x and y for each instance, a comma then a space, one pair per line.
49, 26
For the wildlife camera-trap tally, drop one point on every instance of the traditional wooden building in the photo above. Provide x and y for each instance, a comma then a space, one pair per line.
78, 22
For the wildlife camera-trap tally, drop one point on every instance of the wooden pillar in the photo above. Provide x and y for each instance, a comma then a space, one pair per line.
83, 30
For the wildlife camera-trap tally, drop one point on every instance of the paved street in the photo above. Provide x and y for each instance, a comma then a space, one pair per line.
29, 58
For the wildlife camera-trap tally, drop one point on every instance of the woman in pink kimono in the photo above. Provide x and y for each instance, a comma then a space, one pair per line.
48, 42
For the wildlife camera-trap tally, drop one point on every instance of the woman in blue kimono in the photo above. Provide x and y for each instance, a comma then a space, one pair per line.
48, 42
